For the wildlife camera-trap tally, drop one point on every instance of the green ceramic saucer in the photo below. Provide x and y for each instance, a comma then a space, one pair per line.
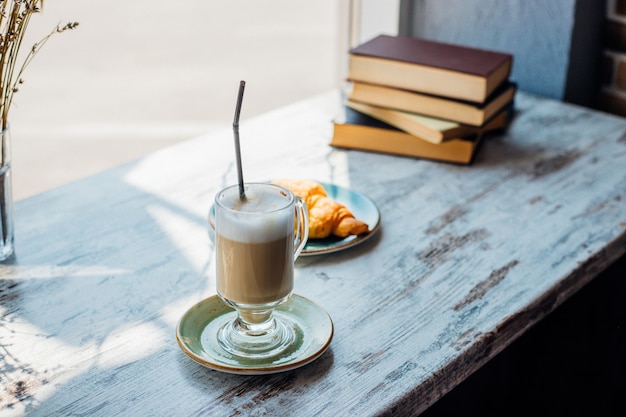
197, 329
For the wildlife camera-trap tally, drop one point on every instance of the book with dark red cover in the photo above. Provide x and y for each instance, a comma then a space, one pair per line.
435, 54
432, 67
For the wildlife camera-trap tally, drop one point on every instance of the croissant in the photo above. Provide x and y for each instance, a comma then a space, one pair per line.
326, 216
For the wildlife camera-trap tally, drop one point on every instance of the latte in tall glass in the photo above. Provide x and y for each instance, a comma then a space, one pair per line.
257, 240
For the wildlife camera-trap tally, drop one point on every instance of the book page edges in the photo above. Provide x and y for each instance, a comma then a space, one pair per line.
431, 106
433, 130
419, 78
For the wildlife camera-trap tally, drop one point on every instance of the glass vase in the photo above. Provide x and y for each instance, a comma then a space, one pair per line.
6, 199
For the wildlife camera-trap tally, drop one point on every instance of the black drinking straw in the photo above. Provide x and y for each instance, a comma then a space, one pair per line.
242, 193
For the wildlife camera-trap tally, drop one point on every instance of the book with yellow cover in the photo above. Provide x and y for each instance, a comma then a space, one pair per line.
430, 129
355, 130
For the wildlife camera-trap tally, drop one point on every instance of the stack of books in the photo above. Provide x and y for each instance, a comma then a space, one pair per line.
423, 98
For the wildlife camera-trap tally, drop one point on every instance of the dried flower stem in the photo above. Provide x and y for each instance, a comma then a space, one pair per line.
14, 18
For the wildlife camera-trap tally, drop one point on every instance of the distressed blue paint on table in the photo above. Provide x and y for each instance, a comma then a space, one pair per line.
467, 259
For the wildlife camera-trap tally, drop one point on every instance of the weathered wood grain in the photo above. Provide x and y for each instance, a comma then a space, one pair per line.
466, 260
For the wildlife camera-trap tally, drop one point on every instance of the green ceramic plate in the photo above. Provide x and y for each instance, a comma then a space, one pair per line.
196, 334
360, 205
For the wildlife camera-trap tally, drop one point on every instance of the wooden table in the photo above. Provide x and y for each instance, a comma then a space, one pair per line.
466, 260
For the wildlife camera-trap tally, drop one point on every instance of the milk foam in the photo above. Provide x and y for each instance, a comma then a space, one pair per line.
257, 219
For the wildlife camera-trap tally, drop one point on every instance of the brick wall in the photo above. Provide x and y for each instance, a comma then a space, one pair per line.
612, 96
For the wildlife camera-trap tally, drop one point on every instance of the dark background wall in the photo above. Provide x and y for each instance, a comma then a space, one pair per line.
612, 97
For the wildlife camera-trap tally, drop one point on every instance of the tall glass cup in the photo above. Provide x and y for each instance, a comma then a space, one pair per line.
257, 241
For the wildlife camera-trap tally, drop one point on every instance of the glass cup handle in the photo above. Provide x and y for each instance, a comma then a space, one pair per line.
302, 226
